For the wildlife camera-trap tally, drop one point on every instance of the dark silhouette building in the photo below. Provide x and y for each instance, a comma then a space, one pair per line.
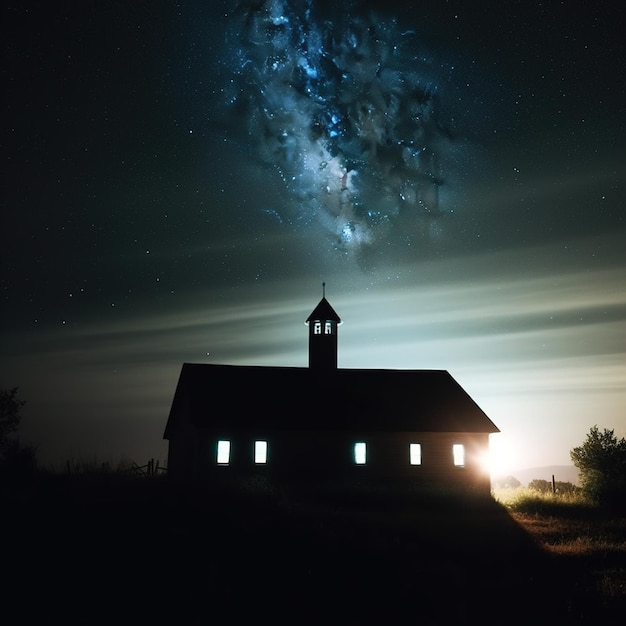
415, 426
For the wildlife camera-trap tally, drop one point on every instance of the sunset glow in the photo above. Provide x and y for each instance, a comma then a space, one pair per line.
502, 459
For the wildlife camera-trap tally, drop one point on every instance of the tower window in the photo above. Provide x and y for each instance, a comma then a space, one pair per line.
360, 453
223, 452
458, 454
415, 453
328, 328
317, 328
260, 452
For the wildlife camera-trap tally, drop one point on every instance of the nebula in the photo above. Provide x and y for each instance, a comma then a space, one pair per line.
338, 102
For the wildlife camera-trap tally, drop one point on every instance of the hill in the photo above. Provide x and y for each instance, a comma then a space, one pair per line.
561, 473
149, 551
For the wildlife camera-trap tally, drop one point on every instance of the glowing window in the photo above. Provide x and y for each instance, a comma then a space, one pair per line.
415, 453
360, 452
328, 328
458, 454
260, 451
317, 328
223, 452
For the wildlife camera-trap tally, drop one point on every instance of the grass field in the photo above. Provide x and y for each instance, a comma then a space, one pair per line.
106, 549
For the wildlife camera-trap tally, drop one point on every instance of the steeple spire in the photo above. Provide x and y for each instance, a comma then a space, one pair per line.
322, 325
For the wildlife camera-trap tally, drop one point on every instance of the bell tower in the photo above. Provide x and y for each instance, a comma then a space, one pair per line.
323, 323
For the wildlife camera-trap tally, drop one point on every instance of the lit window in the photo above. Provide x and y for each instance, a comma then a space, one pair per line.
360, 453
317, 328
223, 452
328, 328
458, 454
260, 451
415, 453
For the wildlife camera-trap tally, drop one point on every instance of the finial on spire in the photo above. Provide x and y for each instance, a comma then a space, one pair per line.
323, 290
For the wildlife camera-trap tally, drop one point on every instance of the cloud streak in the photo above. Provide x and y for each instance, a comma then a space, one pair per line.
510, 339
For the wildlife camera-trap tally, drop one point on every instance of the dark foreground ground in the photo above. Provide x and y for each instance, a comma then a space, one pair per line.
102, 550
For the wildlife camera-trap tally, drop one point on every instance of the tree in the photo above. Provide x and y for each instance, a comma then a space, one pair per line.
10, 417
540, 485
546, 486
16, 461
508, 482
601, 461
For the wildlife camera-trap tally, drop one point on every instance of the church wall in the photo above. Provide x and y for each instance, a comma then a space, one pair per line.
322, 455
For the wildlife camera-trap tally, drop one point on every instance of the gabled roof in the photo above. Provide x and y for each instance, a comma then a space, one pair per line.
323, 311
263, 399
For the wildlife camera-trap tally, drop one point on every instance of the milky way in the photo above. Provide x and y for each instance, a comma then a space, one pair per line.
340, 105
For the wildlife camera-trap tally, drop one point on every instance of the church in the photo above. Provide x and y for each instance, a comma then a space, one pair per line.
415, 427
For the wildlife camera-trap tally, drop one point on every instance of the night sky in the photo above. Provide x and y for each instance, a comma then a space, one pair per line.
180, 178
